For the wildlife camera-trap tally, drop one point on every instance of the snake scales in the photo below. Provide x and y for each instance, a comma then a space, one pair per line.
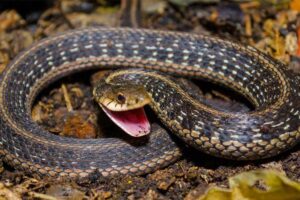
270, 129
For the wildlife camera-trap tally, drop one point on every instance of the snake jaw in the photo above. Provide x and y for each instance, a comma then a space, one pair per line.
133, 122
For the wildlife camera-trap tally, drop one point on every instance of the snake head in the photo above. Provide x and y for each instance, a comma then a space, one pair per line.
121, 97
124, 105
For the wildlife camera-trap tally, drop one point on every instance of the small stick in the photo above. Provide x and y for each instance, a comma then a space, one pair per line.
67, 98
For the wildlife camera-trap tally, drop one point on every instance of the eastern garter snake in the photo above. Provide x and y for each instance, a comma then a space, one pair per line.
268, 130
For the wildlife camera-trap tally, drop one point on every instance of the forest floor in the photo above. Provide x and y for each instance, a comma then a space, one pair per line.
65, 106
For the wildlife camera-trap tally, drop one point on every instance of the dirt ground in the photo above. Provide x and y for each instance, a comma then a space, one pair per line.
66, 106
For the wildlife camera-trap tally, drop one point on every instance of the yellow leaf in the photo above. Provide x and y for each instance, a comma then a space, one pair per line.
256, 185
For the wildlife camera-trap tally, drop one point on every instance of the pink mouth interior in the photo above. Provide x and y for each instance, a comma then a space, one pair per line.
134, 122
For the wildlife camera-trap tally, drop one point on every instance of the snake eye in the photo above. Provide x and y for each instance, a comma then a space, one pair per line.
121, 98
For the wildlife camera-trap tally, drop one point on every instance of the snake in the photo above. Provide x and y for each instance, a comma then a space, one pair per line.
148, 59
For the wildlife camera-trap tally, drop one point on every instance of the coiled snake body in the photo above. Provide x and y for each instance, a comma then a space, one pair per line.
268, 130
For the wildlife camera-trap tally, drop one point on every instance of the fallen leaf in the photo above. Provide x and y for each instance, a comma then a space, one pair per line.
10, 19
256, 185
295, 5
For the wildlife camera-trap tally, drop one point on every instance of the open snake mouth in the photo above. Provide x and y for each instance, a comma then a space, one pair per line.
124, 105
133, 122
